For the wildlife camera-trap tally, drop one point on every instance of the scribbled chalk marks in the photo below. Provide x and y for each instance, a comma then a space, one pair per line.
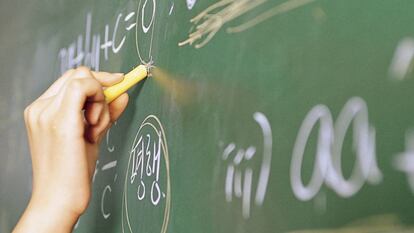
147, 179
277, 10
207, 23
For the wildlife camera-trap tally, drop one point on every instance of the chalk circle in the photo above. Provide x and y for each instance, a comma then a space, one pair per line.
151, 123
144, 30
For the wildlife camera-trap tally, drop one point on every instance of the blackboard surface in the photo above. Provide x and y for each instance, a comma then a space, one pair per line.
261, 116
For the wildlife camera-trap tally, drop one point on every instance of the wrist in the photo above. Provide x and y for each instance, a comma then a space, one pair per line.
44, 216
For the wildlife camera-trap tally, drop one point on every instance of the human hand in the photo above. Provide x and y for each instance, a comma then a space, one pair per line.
64, 127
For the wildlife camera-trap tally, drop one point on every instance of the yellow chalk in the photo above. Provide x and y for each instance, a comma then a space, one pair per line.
130, 79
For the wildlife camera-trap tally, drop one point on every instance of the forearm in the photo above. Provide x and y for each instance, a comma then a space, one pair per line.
44, 219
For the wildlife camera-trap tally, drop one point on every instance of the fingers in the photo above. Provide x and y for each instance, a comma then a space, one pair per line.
94, 132
108, 79
82, 89
93, 111
80, 72
117, 107
32, 112
55, 87
100, 116
78, 91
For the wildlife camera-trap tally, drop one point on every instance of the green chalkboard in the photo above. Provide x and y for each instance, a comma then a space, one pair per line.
259, 116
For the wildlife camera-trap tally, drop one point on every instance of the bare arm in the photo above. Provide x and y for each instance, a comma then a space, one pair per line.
64, 127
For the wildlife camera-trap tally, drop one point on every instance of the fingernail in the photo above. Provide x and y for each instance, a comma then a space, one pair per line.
119, 74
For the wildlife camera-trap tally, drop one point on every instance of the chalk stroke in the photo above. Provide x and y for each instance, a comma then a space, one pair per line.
77, 224
322, 114
261, 119
207, 23
109, 165
402, 62
146, 28
95, 171
116, 48
171, 8
141, 151
105, 214
190, 4
109, 146
129, 16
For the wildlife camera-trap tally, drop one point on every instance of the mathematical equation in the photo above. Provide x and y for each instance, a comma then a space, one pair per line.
88, 47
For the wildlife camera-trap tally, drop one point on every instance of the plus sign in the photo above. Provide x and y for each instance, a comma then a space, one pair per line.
404, 161
107, 43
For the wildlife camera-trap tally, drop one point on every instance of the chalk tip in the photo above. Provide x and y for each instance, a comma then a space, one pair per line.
149, 66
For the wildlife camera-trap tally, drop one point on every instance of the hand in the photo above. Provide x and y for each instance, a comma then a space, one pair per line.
65, 126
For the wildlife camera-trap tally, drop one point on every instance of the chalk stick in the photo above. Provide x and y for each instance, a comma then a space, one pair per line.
130, 79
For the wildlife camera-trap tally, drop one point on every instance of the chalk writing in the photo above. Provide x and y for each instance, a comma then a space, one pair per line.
144, 172
146, 161
239, 181
327, 168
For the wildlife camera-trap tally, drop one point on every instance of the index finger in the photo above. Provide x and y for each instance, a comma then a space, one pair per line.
80, 72
78, 91
105, 79
108, 79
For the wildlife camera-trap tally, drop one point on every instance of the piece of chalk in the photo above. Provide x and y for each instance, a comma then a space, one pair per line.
130, 79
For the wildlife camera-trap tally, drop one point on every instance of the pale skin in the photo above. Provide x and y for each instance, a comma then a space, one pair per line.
65, 126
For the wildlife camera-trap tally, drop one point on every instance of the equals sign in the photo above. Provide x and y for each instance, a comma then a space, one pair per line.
109, 165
